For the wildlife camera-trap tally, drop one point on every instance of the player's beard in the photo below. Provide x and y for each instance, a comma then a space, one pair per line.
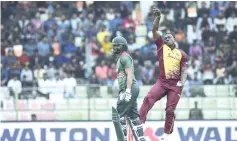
116, 51
170, 43
115, 54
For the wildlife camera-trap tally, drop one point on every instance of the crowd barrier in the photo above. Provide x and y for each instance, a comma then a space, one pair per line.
220, 102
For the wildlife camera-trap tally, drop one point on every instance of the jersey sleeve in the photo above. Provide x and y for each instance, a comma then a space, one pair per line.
126, 61
159, 42
184, 60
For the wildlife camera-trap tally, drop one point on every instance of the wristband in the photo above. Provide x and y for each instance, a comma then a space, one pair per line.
128, 90
180, 82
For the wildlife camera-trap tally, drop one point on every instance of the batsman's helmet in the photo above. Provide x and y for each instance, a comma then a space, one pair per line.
119, 44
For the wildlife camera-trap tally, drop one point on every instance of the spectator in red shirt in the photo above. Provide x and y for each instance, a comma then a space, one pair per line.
23, 58
95, 49
112, 74
129, 22
101, 72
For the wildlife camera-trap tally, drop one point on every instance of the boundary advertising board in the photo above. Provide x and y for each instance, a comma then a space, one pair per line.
104, 131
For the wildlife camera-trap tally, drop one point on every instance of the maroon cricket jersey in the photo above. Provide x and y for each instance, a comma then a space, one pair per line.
170, 63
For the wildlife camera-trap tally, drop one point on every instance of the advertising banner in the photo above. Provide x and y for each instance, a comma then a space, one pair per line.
104, 131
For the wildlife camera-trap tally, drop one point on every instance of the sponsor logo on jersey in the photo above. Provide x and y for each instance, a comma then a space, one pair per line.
174, 56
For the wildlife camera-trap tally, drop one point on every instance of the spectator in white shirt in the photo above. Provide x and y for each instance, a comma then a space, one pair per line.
59, 83
70, 84
23, 22
52, 88
219, 20
231, 22
75, 21
63, 23
39, 72
51, 71
192, 69
204, 21
221, 75
193, 33
102, 21
56, 85
186, 88
44, 87
15, 86
28, 73
200, 4
110, 14
132, 46
208, 75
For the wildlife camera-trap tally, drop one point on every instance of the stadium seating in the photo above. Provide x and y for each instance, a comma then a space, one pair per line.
156, 115
99, 104
100, 115
61, 104
208, 103
34, 104
22, 105
224, 103
8, 105
224, 114
235, 103
8, 115
25, 115
81, 91
47, 105
222, 91
78, 104
112, 102
72, 115
183, 103
222, 106
144, 90
45, 115
193, 100
182, 114
209, 114
4, 93
210, 90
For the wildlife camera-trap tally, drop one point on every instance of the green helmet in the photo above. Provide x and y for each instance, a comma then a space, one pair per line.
119, 44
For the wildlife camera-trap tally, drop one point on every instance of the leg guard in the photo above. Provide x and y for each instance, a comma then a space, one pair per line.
137, 129
124, 127
117, 125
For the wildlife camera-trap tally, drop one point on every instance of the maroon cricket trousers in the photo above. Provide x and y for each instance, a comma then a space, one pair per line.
159, 90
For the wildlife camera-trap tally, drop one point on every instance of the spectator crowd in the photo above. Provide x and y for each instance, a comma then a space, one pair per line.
48, 41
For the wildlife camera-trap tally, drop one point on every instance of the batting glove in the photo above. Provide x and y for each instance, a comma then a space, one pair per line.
126, 96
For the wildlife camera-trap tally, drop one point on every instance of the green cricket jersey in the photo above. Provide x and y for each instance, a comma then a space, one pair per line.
124, 61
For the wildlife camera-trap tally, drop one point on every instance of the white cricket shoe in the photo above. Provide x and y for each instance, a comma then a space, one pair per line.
164, 137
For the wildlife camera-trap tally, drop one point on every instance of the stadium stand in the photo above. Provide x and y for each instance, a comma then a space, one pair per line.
45, 69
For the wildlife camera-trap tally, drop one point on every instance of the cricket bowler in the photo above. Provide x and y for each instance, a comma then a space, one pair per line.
173, 66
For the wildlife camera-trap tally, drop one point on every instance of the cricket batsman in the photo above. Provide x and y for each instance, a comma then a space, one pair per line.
126, 110
173, 66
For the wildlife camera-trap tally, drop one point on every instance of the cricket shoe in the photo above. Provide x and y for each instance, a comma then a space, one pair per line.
163, 139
